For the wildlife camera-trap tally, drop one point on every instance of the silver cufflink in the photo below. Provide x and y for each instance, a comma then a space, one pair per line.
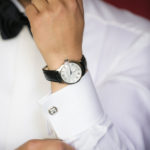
53, 110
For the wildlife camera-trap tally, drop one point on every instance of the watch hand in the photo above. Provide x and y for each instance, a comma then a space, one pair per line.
70, 69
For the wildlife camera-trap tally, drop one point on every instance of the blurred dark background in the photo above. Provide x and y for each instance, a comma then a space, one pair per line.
140, 7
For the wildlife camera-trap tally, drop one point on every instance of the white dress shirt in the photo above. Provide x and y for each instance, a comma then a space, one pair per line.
109, 109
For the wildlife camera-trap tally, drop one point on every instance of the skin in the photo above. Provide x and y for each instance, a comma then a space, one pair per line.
59, 37
45, 145
70, 28
24, 2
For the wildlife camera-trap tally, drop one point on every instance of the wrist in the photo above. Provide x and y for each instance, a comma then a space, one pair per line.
54, 62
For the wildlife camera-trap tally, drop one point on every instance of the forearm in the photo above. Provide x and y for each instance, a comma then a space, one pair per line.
60, 35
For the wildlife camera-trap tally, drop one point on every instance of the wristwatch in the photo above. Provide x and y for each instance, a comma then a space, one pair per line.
70, 72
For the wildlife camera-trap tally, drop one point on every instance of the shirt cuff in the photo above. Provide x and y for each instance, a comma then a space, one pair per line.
74, 108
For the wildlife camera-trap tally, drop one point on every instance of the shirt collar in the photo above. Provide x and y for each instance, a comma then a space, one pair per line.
18, 5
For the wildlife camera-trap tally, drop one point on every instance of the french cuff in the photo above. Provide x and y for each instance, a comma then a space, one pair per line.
73, 109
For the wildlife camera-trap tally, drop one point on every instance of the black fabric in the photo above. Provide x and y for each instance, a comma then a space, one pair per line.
11, 20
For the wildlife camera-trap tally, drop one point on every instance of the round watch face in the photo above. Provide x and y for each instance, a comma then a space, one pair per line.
71, 72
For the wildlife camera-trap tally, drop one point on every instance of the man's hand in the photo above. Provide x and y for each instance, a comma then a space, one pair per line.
57, 27
45, 145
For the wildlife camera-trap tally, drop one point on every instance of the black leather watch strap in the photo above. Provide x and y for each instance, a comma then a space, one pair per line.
53, 75
83, 65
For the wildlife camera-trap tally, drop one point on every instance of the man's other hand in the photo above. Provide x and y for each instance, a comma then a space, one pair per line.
45, 145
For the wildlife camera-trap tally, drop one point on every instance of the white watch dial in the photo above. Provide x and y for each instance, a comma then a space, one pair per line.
71, 72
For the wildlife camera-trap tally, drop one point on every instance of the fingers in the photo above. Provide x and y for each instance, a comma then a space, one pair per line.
31, 11
40, 4
51, 1
37, 6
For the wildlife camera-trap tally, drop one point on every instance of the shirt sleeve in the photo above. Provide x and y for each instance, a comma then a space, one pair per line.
79, 118
73, 109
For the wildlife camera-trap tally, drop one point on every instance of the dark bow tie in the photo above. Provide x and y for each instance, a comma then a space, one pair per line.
11, 20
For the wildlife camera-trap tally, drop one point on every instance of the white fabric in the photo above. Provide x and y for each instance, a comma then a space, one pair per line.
109, 109
78, 109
